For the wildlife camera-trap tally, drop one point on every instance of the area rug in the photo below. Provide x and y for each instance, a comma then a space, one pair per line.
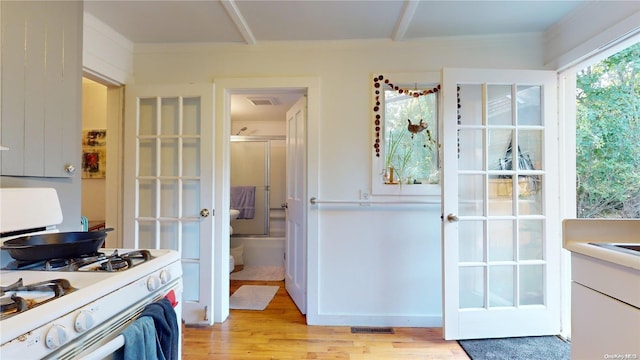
518, 348
252, 297
259, 273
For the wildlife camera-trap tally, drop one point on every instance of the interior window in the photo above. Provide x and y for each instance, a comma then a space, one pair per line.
406, 134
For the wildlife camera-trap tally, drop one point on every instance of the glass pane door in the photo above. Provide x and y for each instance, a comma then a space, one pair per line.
498, 252
168, 205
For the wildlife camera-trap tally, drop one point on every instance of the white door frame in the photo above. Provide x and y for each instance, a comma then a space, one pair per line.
224, 88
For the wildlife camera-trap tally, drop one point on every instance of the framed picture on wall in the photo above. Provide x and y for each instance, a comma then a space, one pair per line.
94, 154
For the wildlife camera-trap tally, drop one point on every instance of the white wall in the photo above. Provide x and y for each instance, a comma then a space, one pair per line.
378, 265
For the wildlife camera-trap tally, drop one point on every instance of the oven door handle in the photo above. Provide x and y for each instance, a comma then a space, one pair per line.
106, 349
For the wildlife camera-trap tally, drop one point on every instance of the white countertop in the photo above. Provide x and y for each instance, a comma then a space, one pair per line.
579, 233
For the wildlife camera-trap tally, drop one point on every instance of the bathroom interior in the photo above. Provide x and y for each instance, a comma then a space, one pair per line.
258, 179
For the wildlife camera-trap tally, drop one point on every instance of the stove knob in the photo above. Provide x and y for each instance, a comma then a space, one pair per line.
84, 321
153, 283
56, 336
165, 277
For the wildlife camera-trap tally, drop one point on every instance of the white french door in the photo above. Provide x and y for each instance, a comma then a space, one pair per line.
169, 181
296, 252
500, 229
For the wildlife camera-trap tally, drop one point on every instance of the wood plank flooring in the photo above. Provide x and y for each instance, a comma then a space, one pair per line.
280, 332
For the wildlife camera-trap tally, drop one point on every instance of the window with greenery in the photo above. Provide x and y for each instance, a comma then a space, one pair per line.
608, 137
406, 141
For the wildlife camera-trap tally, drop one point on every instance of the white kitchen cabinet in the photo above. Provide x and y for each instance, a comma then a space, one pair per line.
41, 88
603, 327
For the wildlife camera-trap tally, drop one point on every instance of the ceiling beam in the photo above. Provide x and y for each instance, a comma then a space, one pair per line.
238, 20
408, 10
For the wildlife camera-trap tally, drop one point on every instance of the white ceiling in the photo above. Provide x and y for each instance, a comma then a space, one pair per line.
252, 22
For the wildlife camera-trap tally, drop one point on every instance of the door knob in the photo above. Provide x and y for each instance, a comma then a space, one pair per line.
204, 212
452, 218
284, 205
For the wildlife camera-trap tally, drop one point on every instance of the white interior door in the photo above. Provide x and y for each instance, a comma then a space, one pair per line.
169, 181
501, 239
296, 248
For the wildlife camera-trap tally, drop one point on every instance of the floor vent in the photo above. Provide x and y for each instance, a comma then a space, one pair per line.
372, 330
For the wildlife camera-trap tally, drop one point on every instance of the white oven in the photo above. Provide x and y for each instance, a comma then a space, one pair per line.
58, 310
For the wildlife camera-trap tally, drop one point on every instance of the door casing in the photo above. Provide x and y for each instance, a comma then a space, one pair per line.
224, 88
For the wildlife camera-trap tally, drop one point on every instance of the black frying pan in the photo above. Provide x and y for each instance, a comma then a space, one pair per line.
63, 245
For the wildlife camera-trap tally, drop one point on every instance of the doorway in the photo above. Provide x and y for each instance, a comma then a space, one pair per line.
226, 89
102, 109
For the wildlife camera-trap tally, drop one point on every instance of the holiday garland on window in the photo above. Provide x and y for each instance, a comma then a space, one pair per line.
379, 82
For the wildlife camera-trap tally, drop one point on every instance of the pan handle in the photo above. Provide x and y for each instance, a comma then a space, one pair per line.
103, 230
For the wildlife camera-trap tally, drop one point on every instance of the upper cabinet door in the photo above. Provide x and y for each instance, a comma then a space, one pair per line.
41, 88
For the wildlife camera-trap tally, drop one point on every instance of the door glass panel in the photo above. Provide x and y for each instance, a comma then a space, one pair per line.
471, 112
147, 124
147, 153
169, 204
190, 240
147, 201
501, 285
501, 240
471, 195
170, 116
502, 206
530, 149
531, 285
529, 105
470, 158
147, 234
530, 240
191, 157
499, 152
530, 203
190, 198
499, 107
169, 151
471, 241
471, 287
169, 235
191, 281
191, 116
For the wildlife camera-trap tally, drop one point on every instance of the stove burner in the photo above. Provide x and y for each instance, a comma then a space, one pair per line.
15, 298
117, 262
92, 262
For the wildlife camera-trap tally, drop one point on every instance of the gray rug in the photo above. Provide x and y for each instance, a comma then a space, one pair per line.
252, 297
518, 348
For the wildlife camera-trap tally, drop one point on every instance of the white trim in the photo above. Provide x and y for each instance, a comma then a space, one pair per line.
431, 320
239, 21
402, 25
224, 87
573, 40
105, 51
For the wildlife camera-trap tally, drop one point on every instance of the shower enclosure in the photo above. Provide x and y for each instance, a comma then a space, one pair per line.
260, 162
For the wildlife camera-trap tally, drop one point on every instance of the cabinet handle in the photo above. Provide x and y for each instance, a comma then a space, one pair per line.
69, 169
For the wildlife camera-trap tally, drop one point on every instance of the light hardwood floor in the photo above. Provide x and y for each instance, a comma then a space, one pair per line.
280, 332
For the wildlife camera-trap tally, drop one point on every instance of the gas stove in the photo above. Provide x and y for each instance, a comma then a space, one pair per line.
78, 307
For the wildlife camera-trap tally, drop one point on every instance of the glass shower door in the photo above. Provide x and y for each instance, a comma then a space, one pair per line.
250, 167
